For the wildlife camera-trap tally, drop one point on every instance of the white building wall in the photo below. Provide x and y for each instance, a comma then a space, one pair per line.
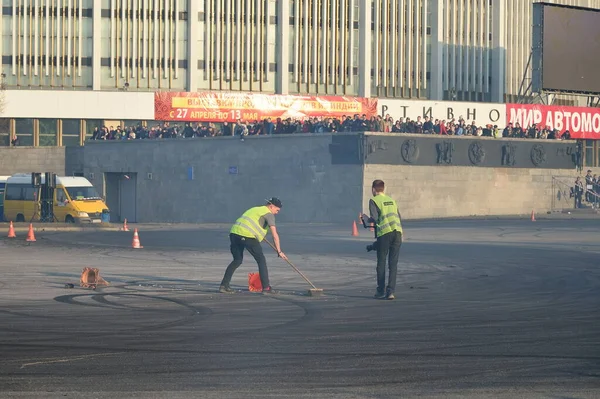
53, 104
411, 49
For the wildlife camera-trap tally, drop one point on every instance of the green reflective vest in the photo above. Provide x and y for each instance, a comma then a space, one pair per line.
388, 215
248, 225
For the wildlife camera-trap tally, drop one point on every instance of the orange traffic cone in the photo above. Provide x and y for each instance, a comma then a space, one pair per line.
254, 284
125, 227
11, 231
136, 240
30, 234
354, 228
532, 216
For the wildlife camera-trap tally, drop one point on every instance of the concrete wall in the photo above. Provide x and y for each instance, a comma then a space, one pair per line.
482, 152
316, 181
74, 160
469, 183
321, 178
29, 159
455, 191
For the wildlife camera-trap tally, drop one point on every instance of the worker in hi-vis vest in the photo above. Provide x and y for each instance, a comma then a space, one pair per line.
384, 214
247, 233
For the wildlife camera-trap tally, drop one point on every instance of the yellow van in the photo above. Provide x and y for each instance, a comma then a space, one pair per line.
3, 180
75, 200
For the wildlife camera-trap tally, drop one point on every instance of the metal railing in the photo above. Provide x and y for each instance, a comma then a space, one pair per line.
592, 196
563, 194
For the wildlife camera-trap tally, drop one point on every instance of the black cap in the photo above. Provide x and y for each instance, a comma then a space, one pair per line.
275, 201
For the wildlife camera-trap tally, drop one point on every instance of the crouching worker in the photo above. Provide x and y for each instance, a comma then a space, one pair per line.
247, 233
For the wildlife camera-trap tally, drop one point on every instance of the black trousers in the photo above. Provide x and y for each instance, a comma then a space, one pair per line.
578, 196
237, 246
388, 248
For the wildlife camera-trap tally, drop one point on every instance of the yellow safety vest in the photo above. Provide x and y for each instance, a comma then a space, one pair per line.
247, 225
388, 215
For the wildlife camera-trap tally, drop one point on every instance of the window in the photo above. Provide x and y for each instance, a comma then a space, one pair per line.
589, 153
13, 192
29, 193
24, 131
20, 192
4, 132
91, 125
48, 130
61, 197
70, 132
82, 193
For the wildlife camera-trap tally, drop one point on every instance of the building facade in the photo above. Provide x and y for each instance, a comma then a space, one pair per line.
465, 50
103, 55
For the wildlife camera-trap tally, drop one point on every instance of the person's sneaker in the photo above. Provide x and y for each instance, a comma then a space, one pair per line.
379, 295
269, 290
226, 290
370, 248
390, 296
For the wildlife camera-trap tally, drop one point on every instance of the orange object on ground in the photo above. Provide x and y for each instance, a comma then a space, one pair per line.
125, 227
254, 284
136, 240
11, 231
30, 234
532, 216
354, 229
90, 277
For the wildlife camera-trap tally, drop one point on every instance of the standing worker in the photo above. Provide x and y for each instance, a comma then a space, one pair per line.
246, 233
388, 229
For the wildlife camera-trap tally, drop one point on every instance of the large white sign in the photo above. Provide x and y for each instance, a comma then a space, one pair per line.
79, 104
481, 113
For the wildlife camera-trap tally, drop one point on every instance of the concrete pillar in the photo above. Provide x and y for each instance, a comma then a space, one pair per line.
437, 50
194, 27
35, 139
364, 48
82, 131
13, 131
96, 45
282, 80
498, 87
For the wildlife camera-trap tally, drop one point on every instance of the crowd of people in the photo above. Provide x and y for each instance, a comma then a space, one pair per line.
356, 123
587, 190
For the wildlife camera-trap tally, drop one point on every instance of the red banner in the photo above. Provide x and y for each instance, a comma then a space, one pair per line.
581, 122
228, 106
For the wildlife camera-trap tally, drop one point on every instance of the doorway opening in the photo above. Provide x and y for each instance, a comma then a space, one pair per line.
121, 196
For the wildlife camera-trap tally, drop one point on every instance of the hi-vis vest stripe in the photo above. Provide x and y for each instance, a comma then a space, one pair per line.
247, 225
388, 215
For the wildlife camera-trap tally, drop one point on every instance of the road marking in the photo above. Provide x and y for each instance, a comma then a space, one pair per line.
69, 359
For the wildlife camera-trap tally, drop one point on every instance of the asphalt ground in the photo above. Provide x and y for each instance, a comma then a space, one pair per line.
484, 309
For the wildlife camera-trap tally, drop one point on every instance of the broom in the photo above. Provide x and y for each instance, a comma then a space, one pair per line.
314, 291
